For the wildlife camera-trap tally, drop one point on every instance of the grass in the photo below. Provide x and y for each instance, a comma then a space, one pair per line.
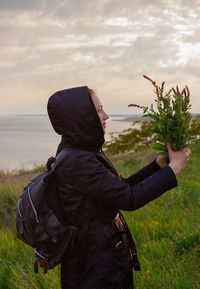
166, 231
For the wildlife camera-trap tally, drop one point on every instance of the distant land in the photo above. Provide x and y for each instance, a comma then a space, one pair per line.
136, 117
115, 116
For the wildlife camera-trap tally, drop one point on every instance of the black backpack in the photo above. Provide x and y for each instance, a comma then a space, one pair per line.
37, 222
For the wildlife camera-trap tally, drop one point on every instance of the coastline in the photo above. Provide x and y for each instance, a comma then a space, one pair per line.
28, 141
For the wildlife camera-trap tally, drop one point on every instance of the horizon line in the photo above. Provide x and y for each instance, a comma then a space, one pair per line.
45, 114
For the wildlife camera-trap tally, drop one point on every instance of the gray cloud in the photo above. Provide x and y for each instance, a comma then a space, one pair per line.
48, 45
19, 4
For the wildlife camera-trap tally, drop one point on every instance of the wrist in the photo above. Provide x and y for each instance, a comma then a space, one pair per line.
176, 168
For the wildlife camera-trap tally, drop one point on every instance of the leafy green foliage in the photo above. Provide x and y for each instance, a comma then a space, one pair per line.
144, 138
131, 139
171, 118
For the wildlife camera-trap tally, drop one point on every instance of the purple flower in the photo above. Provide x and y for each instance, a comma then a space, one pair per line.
153, 82
178, 91
183, 92
162, 87
188, 92
136, 105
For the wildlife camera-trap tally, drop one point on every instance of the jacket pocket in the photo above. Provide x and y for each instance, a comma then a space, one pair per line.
115, 252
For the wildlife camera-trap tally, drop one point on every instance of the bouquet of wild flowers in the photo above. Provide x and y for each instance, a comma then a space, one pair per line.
171, 119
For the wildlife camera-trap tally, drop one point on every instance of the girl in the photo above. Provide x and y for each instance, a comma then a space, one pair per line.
91, 193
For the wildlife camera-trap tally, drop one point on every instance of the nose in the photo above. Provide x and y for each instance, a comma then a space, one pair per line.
105, 117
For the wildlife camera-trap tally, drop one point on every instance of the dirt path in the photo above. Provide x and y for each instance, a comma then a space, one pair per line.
15, 179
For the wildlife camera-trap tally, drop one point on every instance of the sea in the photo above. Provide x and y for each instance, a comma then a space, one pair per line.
29, 140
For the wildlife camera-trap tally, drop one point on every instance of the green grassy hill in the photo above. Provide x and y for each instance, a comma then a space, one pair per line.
166, 231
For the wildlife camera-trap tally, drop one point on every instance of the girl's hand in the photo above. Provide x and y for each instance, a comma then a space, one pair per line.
161, 160
179, 159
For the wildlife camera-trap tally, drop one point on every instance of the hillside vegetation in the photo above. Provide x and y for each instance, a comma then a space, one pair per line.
166, 231
141, 137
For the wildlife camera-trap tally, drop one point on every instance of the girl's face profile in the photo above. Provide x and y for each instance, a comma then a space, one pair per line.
101, 113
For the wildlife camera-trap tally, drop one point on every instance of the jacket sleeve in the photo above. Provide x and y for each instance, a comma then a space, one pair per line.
142, 174
93, 179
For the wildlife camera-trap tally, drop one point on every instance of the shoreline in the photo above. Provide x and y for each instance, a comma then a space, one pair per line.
12, 166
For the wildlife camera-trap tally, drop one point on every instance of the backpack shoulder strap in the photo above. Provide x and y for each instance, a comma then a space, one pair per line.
59, 158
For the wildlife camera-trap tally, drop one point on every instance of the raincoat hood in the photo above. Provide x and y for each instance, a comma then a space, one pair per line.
73, 115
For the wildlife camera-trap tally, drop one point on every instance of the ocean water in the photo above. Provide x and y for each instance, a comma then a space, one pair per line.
29, 140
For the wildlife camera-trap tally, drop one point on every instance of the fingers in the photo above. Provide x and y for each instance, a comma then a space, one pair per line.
187, 151
187, 154
169, 147
178, 155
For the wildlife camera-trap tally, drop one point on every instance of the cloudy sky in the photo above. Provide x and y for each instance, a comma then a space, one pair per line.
49, 45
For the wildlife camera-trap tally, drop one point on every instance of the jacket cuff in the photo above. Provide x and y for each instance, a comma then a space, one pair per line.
169, 180
155, 165
174, 182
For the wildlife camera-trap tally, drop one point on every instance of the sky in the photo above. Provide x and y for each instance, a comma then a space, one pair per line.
50, 45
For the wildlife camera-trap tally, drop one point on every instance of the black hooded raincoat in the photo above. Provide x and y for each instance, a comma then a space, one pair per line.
87, 174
